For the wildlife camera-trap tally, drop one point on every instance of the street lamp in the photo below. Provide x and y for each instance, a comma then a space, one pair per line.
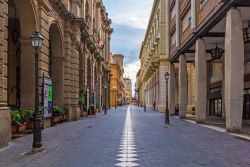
167, 76
217, 53
36, 41
246, 33
105, 100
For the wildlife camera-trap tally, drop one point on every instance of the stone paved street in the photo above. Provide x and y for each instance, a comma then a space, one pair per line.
97, 142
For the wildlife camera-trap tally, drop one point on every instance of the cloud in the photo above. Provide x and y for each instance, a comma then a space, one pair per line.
133, 13
127, 41
129, 20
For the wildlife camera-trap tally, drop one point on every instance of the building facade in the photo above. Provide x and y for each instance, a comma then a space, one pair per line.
203, 34
117, 82
128, 91
75, 54
151, 83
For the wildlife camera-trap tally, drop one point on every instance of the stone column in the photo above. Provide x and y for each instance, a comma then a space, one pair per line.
201, 80
5, 120
177, 23
183, 87
171, 90
162, 86
234, 70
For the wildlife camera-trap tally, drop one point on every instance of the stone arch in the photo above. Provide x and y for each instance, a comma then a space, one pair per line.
21, 59
56, 63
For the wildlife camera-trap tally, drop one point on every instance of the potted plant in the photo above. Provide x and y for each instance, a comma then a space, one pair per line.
28, 117
15, 120
58, 114
22, 124
82, 104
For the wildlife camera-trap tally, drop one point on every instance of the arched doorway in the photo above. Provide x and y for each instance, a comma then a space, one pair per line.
21, 59
56, 64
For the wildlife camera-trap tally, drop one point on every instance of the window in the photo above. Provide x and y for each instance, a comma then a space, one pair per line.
202, 3
70, 6
186, 21
78, 11
173, 38
216, 72
173, 12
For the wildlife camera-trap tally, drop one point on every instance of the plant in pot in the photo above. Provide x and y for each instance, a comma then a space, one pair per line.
28, 117
15, 120
82, 104
58, 113
22, 124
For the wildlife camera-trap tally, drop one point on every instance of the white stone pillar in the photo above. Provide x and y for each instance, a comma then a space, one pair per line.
171, 90
234, 70
183, 87
201, 80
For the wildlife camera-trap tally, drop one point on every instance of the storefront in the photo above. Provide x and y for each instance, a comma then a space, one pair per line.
215, 102
246, 105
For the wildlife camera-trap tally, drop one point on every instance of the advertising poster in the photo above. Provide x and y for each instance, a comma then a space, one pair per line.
47, 97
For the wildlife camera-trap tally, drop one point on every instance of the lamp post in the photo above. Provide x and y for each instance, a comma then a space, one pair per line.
36, 41
105, 96
167, 75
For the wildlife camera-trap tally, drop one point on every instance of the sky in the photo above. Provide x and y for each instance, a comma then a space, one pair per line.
129, 20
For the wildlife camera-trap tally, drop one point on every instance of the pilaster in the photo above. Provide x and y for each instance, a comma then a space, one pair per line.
183, 87
171, 90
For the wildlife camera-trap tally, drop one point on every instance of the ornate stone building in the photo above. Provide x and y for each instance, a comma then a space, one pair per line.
117, 82
154, 56
127, 90
75, 53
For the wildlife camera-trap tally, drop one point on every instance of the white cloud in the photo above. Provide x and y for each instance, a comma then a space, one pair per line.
134, 13
130, 20
130, 70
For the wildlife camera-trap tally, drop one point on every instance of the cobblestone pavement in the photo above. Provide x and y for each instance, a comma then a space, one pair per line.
146, 141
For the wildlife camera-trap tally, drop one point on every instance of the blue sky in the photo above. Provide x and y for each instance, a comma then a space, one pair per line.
129, 20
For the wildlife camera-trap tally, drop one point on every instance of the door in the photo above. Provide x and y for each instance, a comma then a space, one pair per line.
246, 107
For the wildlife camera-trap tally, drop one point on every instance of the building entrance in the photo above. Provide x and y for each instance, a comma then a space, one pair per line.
215, 107
246, 107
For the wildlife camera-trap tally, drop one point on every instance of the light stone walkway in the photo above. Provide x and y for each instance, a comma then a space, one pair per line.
127, 150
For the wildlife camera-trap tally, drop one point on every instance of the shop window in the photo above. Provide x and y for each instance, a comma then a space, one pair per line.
247, 52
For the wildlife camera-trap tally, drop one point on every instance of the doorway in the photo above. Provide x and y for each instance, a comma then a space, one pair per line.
246, 107
215, 107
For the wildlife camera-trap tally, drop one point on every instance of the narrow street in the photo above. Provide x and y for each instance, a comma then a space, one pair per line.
129, 136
